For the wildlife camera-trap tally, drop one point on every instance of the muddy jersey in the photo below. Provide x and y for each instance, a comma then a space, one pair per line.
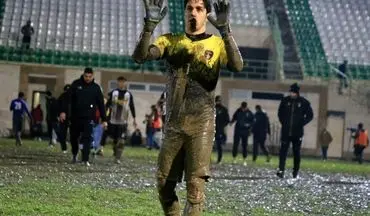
120, 102
194, 65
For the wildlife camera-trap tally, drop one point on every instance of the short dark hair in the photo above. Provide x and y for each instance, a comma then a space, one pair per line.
48, 93
20, 94
121, 78
88, 70
207, 5
244, 104
360, 126
218, 98
258, 107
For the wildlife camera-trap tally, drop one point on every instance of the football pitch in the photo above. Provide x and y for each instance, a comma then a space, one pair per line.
37, 180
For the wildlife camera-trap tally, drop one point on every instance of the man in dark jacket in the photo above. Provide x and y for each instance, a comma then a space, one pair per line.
261, 128
63, 101
51, 116
244, 119
222, 120
85, 97
294, 113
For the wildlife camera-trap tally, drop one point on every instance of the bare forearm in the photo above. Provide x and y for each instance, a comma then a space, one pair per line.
235, 60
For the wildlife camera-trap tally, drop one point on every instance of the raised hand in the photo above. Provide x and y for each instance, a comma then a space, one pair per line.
222, 9
154, 11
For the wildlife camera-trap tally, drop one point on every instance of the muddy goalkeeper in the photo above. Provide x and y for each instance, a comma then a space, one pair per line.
194, 59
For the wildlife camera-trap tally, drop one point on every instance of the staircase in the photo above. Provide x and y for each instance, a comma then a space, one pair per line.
292, 67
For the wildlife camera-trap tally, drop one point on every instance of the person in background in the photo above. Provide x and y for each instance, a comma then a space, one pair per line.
222, 120
64, 125
136, 138
19, 107
105, 132
27, 31
157, 126
162, 106
85, 97
149, 131
51, 116
38, 117
325, 140
121, 102
98, 129
294, 113
261, 129
361, 142
343, 77
244, 119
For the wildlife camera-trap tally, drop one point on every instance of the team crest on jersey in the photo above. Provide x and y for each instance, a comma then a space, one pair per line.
208, 54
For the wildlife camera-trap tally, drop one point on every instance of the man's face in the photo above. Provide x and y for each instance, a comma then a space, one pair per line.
88, 77
195, 16
293, 95
121, 84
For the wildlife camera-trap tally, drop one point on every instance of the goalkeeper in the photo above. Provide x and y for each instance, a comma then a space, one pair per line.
194, 59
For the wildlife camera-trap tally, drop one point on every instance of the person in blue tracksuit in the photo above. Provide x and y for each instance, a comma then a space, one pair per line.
19, 107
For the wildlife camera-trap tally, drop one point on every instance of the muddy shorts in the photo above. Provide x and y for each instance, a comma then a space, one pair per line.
187, 147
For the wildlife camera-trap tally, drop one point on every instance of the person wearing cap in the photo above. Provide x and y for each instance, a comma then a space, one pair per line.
222, 120
63, 125
244, 119
294, 113
85, 96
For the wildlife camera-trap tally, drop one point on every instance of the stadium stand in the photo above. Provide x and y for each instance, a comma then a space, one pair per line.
343, 27
98, 33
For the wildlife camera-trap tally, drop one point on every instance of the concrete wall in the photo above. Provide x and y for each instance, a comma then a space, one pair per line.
9, 82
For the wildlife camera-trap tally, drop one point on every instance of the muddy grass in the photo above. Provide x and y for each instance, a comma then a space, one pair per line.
36, 180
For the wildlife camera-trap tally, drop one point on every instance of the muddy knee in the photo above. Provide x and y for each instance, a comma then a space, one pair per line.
195, 190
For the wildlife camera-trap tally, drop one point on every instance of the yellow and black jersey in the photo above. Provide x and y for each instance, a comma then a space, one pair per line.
194, 67
201, 59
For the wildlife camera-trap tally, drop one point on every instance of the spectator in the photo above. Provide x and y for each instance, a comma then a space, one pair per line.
38, 117
261, 129
85, 97
325, 140
244, 119
136, 138
343, 77
157, 126
105, 132
222, 120
294, 113
64, 125
361, 142
27, 31
51, 116
162, 106
19, 107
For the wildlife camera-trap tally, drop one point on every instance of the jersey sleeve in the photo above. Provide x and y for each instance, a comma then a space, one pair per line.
162, 42
223, 54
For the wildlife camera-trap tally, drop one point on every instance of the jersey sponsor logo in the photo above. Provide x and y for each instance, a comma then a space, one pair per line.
208, 54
